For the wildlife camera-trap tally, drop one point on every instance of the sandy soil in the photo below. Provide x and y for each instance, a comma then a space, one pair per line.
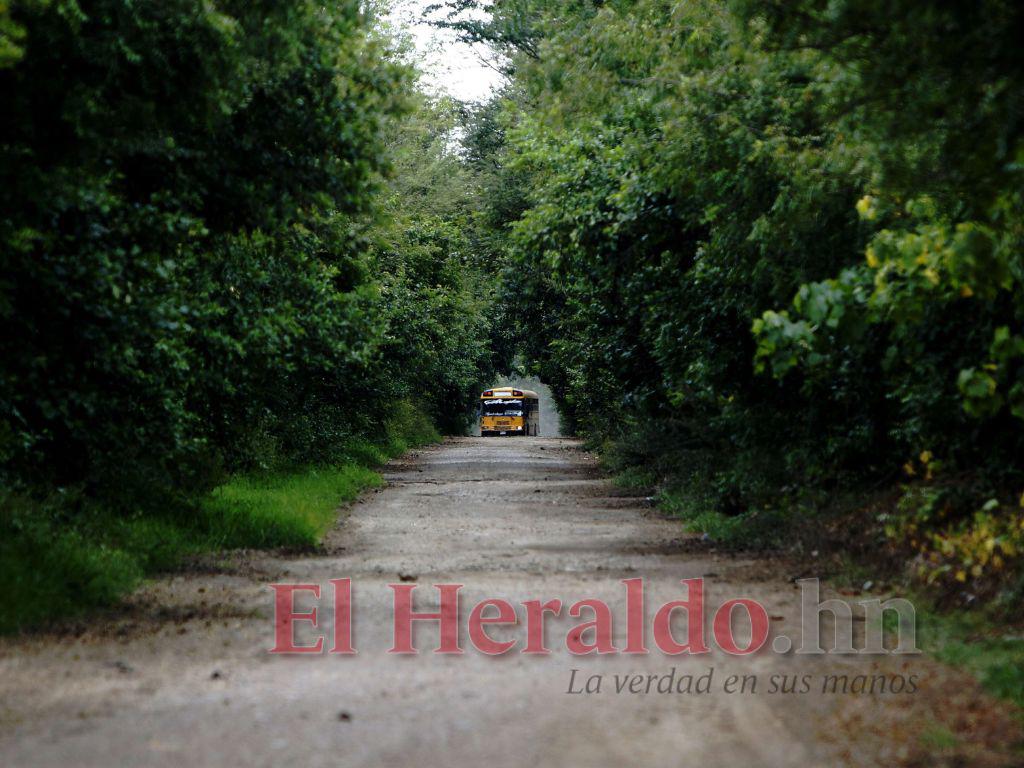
182, 676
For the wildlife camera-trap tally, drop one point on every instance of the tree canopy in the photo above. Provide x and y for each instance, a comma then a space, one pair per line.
206, 262
774, 250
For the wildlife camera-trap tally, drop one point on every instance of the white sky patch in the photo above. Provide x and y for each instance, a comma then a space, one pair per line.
448, 66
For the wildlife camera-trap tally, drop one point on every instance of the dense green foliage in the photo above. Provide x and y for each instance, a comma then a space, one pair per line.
774, 250
437, 281
202, 267
235, 239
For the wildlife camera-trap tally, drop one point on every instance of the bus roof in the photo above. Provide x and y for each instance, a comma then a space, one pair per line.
507, 392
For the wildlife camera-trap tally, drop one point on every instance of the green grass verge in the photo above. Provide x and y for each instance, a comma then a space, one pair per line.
50, 570
635, 479
55, 565
755, 529
291, 510
979, 644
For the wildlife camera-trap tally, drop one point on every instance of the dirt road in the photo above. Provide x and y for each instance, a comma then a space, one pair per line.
182, 676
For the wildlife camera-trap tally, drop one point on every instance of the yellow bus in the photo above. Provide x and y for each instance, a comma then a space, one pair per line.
509, 411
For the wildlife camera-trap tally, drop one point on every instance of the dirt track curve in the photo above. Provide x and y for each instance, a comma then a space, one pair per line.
182, 676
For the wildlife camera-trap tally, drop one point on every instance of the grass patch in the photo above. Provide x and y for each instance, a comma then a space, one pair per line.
938, 738
635, 479
753, 529
292, 510
48, 570
982, 641
978, 643
61, 558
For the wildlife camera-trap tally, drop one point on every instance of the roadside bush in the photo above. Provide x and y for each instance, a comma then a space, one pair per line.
206, 266
972, 553
210, 275
773, 249
184, 192
66, 556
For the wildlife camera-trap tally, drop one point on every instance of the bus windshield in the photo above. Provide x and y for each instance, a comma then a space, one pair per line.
502, 407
